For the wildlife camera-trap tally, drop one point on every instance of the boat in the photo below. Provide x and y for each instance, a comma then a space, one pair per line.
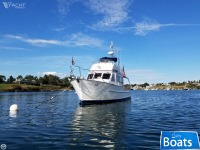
104, 83
186, 89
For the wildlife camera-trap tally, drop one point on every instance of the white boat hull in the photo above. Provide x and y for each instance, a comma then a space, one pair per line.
90, 91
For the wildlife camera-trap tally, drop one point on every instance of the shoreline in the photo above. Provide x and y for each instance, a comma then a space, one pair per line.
52, 88
30, 88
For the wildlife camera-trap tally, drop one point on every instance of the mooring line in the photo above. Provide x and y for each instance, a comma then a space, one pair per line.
52, 97
43, 102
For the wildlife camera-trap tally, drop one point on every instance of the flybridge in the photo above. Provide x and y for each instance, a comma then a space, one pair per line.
105, 59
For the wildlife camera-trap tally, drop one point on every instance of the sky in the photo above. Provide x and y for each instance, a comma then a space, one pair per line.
158, 40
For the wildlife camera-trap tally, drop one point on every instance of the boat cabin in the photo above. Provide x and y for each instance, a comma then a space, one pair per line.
106, 70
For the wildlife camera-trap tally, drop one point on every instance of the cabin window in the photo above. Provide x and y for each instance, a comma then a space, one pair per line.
106, 76
97, 76
90, 76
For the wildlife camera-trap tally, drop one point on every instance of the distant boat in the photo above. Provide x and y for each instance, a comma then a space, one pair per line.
186, 89
104, 83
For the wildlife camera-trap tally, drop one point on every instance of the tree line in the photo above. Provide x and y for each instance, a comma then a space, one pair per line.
34, 80
195, 84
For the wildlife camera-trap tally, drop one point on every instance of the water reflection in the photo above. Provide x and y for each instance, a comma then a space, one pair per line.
99, 125
13, 113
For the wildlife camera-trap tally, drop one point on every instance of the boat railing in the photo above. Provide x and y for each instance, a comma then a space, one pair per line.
128, 82
79, 69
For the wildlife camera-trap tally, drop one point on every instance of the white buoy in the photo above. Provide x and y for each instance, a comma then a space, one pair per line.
13, 107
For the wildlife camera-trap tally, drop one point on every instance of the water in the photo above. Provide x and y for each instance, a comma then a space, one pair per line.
61, 123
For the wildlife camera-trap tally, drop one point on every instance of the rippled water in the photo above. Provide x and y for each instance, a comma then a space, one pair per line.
61, 122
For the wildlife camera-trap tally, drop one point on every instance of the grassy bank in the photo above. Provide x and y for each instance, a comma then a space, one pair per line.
28, 88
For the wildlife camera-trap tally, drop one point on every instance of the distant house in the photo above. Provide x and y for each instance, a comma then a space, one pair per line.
22, 81
196, 83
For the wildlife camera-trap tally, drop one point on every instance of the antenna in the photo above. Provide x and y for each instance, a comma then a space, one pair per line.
111, 45
111, 52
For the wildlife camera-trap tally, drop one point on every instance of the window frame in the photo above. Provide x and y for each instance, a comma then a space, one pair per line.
90, 76
97, 76
106, 76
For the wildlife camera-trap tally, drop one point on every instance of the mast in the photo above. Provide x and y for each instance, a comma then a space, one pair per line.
111, 52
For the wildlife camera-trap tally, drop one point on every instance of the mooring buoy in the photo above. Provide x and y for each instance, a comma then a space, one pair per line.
13, 107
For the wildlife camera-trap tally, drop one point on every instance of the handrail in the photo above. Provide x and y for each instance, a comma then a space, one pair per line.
80, 68
128, 82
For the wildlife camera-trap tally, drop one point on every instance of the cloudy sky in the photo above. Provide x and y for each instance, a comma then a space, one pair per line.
158, 40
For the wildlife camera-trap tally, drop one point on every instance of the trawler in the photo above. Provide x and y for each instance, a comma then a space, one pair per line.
104, 83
